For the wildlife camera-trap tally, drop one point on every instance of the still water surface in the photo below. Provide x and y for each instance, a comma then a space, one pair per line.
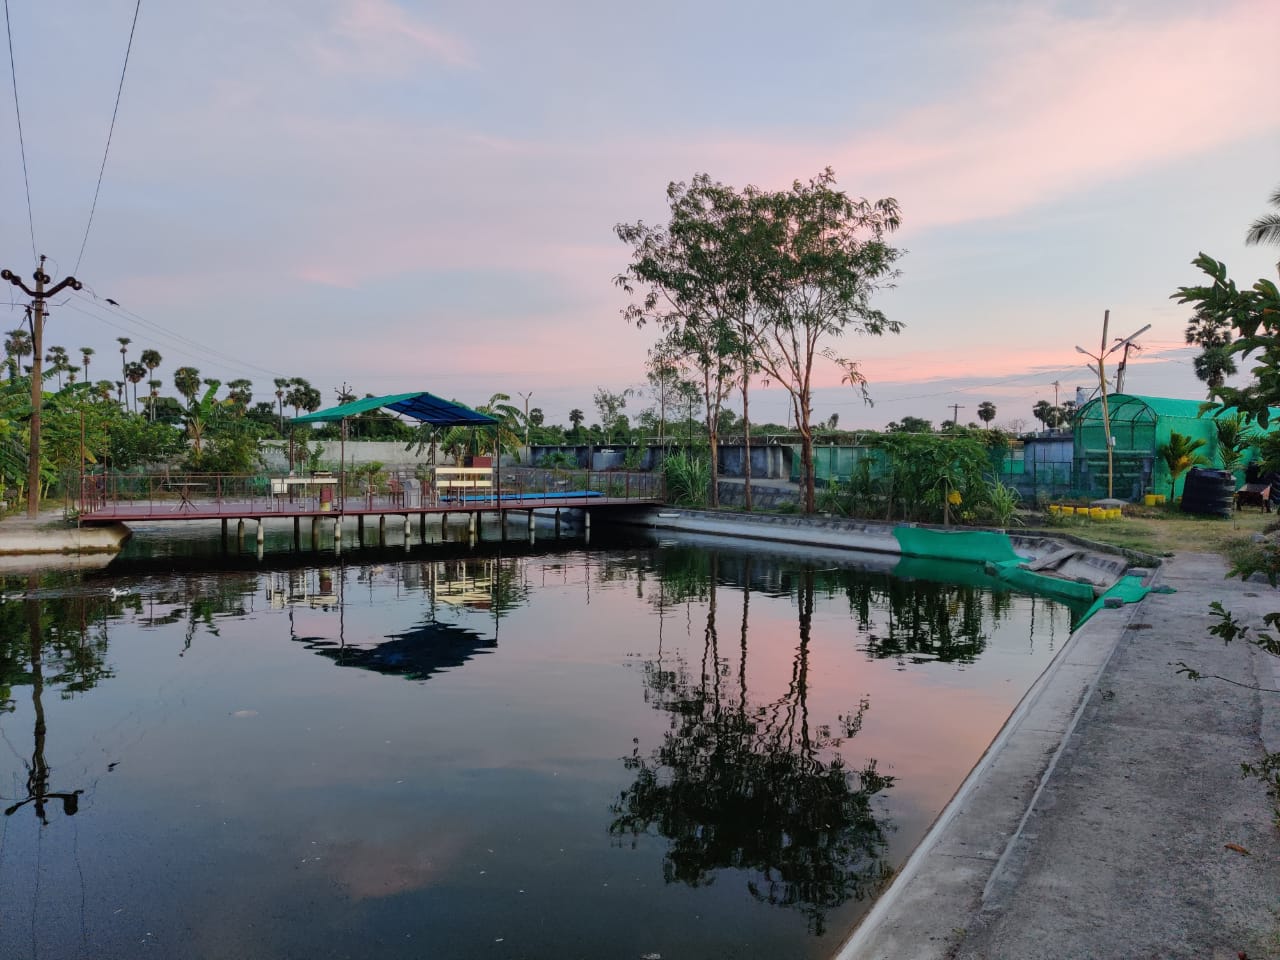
685, 748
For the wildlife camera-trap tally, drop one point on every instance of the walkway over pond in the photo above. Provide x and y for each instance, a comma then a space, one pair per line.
112, 498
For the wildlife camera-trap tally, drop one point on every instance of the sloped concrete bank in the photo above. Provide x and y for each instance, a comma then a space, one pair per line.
1051, 563
51, 541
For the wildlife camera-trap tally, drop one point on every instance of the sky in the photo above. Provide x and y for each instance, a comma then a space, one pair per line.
408, 196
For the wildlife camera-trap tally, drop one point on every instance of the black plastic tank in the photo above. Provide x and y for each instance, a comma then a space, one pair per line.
1209, 491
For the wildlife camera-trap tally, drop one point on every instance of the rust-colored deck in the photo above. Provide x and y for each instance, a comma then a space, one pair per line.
267, 508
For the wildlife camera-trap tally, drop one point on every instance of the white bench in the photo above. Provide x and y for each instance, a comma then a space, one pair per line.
463, 481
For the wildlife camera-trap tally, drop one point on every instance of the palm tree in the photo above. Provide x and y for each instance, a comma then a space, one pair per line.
17, 345
135, 372
57, 358
986, 412
1180, 455
187, 382
302, 396
282, 384
155, 393
1232, 439
151, 359
1266, 229
1043, 411
124, 347
240, 393
508, 417
85, 354
576, 417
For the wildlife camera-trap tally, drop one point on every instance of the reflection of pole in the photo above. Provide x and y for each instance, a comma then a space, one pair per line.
38, 771
342, 469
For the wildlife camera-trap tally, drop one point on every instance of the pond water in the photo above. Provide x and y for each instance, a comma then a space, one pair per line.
633, 748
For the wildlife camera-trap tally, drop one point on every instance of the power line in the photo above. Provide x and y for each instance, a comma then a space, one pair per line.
195, 354
22, 146
111, 130
154, 329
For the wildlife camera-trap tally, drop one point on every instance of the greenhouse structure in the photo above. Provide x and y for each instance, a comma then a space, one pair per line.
1140, 426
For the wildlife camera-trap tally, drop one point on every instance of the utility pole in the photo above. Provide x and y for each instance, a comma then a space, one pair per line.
38, 296
525, 397
1099, 358
1124, 361
955, 416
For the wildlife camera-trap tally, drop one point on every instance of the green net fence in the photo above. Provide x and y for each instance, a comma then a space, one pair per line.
1140, 426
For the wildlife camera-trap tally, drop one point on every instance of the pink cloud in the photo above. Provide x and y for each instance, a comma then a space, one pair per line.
377, 36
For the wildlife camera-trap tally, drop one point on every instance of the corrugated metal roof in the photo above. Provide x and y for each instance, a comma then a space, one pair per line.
423, 406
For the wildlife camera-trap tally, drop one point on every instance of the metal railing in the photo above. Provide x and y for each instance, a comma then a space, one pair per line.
124, 495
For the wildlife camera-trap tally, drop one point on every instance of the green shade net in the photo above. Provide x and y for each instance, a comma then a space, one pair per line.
994, 551
1140, 426
978, 546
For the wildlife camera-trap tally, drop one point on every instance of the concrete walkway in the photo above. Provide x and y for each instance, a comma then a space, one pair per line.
1098, 824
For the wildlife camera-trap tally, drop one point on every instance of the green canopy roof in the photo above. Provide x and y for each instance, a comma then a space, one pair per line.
423, 406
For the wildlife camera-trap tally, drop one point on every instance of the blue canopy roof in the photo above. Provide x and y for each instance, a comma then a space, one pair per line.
423, 406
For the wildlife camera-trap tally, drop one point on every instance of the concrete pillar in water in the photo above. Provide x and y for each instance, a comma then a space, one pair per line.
224, 529
471, 523
260, 550
586, 520
315, 533
239, 533
408, 529
262, 532
382, 530
360, 527
337, 531
557, 523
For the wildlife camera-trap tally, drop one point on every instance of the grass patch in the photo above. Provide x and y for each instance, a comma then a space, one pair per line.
1167, 530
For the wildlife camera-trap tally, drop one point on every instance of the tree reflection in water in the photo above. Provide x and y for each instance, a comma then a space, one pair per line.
754, 787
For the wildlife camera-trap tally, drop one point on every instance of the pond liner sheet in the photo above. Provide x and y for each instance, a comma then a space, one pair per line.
1128, 589
995, 552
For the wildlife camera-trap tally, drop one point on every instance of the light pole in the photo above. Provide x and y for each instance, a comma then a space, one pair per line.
1098, 358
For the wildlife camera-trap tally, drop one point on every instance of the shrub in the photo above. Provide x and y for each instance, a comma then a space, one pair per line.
688, 479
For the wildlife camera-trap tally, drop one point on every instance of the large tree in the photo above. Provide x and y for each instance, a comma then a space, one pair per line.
1253, 316
610, 406
693, 278
822, 255
986, 412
